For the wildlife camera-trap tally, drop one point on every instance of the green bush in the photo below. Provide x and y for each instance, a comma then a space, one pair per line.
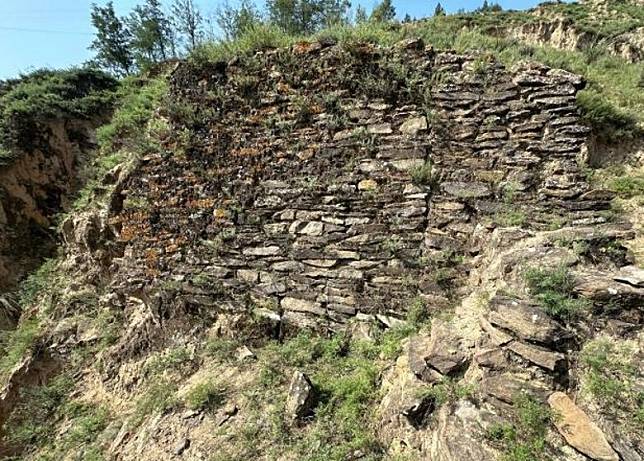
553, 290
44, 95
137, 101
524, 439
205, 395
32, 421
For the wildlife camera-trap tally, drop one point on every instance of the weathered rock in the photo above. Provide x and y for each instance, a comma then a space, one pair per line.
302, 305
537, 355
578, 430
466, 190
460, 434
632, 275
301, 397
507, 386
414, 125
525, 320
444, 352
182, 446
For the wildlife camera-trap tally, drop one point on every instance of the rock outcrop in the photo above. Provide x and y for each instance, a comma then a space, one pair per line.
33, 190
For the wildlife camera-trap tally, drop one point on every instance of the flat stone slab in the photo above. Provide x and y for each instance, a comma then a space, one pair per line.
467, 190
578, 430
414, 125
524, 320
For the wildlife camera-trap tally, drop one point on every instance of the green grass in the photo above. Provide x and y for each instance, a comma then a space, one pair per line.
610, 375
257, 37
159, 396
346, 376
422, 176
524, 439
37, 282
553, 290
509, 217
206, 395
173, 359
628, 186
17, 344
137, 101
448, 391
32, 421
131, 131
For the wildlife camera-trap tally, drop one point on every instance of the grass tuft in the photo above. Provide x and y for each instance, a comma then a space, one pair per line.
553, 290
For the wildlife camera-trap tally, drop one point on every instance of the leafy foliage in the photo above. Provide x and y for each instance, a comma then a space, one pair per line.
610, 375
112, 42
383, 12
234, 22
524, 439
553, 289
28, 102
205, 395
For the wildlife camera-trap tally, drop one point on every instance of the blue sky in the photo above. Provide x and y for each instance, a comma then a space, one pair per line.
57, 33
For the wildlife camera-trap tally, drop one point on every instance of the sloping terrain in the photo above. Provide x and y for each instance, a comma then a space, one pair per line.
342, 250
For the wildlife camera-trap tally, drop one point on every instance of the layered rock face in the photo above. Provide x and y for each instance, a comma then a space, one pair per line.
33, 189
331, 183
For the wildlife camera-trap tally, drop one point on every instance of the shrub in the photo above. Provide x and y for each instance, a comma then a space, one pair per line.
524, 439
137, 101
43, 95
553, 290
31, 422
204, 395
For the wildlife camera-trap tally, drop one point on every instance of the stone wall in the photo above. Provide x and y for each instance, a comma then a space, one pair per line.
327, 182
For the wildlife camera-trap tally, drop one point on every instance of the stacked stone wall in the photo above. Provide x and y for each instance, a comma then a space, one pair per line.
326, 183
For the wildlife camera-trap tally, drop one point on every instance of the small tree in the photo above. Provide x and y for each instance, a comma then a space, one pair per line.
235, 21
188, 22
489, 8
306, 16
439, 10
334, 12
112, 42
361, 15
383, 12
152, 34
